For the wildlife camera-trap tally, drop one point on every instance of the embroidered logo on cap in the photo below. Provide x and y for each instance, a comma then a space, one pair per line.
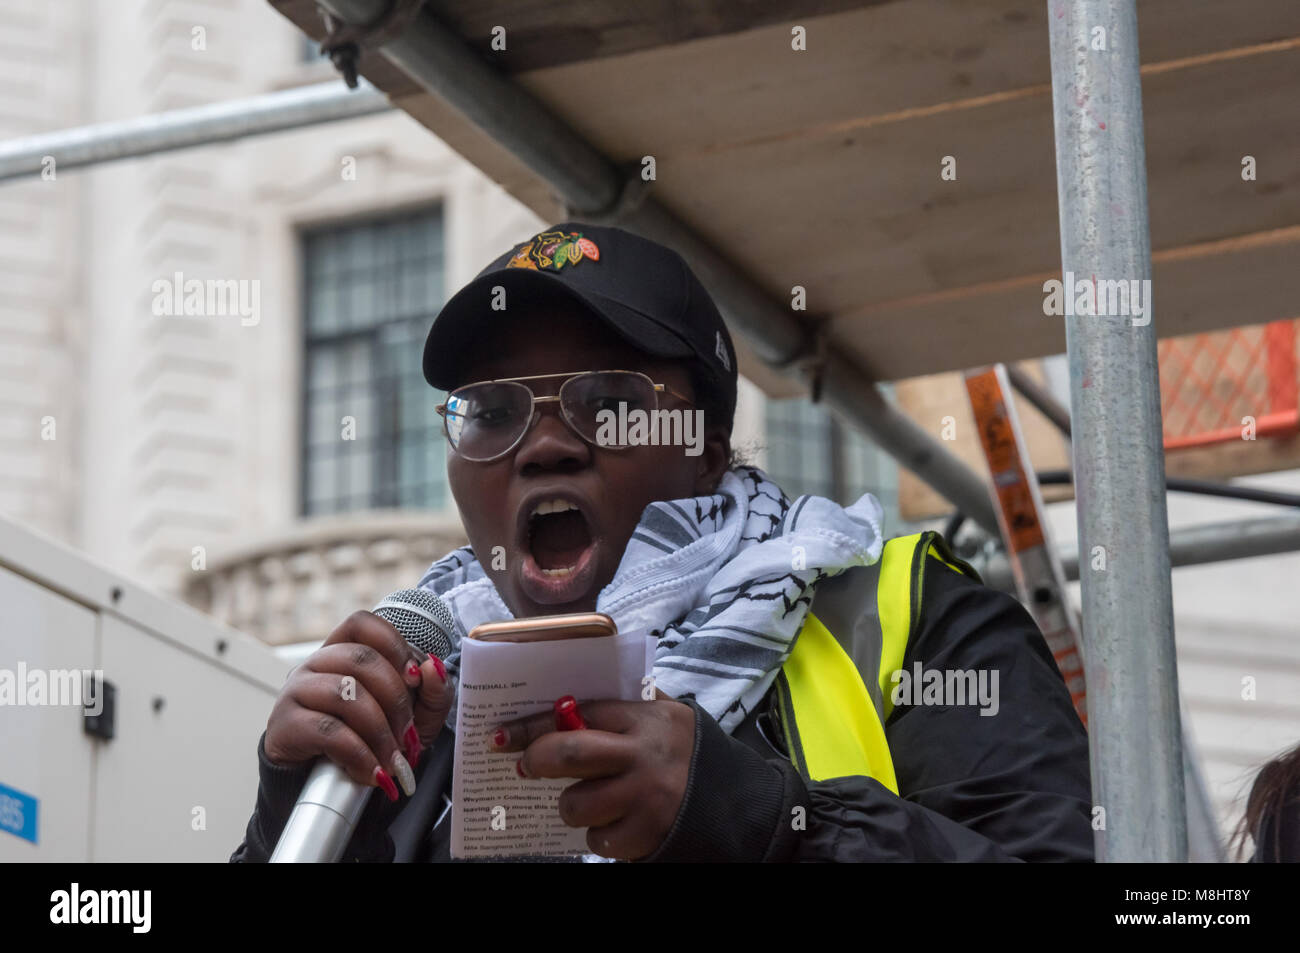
553, 250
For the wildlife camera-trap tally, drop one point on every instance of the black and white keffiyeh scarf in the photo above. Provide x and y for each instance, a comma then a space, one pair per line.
723, 581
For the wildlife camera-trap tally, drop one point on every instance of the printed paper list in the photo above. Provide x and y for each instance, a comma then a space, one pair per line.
495, 812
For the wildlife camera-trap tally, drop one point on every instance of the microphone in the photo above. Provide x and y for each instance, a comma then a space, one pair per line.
331, 803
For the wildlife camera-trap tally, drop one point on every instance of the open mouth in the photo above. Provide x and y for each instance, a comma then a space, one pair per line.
557, 537
560, 565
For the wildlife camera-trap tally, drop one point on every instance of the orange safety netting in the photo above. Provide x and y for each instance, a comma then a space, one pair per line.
1213, 385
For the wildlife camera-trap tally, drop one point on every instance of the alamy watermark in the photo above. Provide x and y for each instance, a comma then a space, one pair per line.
55, 687
1095, 297
946, 687
131, 908
179, 296
655, 428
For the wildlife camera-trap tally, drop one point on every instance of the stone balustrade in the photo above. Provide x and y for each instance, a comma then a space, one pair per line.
298, 584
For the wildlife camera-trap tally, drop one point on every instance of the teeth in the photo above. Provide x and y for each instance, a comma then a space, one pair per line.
551, 506
544, 508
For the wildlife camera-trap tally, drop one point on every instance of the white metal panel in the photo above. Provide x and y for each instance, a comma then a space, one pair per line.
43, 751
197, 751
69, 572
131, 798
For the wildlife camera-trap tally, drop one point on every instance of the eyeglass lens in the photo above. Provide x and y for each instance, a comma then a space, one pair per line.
485, 420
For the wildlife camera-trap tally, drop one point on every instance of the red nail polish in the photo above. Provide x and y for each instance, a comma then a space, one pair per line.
499, 739
567, 716
519, 768
412, 670
386, 783
437, 663
413, 746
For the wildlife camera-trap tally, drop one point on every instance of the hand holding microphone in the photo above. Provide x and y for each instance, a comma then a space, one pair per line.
366, 703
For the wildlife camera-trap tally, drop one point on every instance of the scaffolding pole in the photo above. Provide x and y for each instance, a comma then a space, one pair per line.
593, 189
1190, 546
185, 128
1204, 845
1133, 704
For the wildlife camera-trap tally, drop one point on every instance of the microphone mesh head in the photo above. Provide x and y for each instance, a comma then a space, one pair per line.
423, 619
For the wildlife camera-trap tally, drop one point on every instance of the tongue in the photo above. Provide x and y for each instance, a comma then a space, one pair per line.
559, 539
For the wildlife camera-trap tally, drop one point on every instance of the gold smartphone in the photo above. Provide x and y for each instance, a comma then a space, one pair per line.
546, 628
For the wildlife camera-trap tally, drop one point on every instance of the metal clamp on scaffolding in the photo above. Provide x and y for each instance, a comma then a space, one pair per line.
810, 358
344, 42
631, 194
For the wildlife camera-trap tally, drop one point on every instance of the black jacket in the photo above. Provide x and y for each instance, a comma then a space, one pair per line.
1013, 786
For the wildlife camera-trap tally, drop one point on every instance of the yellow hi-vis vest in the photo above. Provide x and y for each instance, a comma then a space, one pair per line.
833, 695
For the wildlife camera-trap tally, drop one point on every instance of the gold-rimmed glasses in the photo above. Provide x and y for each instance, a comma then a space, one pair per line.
486, 420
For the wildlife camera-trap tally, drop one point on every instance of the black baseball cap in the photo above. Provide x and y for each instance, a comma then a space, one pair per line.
639, 288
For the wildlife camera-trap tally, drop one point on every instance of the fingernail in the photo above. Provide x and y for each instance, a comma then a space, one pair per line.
405, 776
385, 782
499, 739
437, 663
412, 671
413, 746
567, 715
519, 768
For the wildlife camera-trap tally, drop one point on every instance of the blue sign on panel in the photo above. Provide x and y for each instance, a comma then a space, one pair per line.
18, 813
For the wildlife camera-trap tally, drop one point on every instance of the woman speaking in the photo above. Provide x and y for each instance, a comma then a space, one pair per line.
785, 628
